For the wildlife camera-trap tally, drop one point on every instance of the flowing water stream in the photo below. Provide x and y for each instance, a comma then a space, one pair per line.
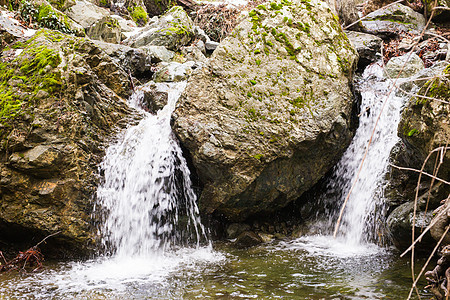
157, 247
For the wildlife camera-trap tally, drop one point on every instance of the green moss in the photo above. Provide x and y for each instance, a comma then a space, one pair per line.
139, 15
412, 132
35, 67
258, 156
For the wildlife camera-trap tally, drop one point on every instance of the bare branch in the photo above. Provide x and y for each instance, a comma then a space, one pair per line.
418, 171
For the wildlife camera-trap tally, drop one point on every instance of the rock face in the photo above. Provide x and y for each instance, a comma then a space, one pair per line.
61, 97
270, 113
425, 122
424, 126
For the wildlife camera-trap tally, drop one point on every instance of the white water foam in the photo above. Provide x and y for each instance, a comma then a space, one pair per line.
365, 209
152, 228
363, 217
147, 193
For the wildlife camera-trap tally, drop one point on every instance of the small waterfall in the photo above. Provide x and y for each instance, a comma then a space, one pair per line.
363, 215
147, 195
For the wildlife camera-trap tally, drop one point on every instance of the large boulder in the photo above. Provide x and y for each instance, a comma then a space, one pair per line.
61, 99
270, 113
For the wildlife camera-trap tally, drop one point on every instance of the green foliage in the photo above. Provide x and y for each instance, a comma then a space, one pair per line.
45, 16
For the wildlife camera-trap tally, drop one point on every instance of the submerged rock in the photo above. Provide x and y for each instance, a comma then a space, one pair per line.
270, 113
248, 239
61, 101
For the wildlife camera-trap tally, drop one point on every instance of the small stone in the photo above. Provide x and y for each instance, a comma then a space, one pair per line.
248, 239
211, 45
234, 229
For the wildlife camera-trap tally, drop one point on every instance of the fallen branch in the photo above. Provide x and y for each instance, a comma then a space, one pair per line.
418, 171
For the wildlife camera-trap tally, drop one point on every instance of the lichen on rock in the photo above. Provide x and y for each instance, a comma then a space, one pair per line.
270, 113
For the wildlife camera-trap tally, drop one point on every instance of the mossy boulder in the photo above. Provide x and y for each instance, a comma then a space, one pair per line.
391, 21
61, 98
172, 30
270, 112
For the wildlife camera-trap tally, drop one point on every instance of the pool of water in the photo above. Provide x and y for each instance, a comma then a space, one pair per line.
305, 268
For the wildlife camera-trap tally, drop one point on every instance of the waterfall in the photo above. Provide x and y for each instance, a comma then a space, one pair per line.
147, 193
363, 215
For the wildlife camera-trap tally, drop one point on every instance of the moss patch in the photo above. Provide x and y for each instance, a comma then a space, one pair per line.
33, 70
139, 15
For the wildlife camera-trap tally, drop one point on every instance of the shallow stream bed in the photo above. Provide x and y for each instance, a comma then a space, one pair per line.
306, 268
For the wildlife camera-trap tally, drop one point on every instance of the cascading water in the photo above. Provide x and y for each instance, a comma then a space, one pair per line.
147, 193
363, 216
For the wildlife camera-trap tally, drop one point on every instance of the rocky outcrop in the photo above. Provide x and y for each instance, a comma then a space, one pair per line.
172, 30
424, 126
270, 113
61, 98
